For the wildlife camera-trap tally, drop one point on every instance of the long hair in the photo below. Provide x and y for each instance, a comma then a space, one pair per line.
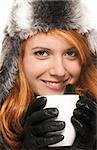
15, 106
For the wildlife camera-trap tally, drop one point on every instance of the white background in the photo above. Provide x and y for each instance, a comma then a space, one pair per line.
5, 7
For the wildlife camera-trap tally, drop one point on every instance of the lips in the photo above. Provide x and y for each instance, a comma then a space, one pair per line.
55, 85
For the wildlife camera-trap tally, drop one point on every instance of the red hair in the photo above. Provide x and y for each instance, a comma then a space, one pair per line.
14, 108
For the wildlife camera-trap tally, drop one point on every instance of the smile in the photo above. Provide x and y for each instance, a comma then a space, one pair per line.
56, 86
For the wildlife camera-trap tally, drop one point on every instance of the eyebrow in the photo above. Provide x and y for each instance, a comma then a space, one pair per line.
33, 48
40, 48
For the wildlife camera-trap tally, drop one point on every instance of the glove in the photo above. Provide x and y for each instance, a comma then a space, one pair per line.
84, 121
70, 89
38, 124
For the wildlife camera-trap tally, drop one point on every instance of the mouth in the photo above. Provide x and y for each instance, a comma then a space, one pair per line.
55, 85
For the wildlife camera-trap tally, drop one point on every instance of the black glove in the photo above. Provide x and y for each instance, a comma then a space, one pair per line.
70, 89
84, 121
38, 124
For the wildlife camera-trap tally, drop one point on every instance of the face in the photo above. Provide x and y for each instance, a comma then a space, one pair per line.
50, 63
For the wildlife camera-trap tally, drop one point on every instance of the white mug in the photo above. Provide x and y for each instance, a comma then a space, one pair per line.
66, 105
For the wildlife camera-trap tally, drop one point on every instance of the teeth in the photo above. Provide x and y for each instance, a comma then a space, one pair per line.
54, 84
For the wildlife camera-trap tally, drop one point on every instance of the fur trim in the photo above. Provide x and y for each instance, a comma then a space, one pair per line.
91, 36
29, 17
9, 65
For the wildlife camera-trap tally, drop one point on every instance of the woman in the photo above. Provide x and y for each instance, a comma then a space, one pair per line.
43, 55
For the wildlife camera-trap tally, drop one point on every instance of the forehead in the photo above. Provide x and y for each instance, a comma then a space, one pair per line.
48, 40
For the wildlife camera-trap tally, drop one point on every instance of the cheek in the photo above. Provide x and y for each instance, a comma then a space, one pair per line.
33, 68
76, 72
74, 69
30, 69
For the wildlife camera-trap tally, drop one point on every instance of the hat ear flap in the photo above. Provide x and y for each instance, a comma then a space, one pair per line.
8, 64
91, 36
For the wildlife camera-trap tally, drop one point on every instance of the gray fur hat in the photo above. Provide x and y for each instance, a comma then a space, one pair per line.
29, 17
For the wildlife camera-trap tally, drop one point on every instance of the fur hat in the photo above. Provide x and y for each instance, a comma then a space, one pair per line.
29, 17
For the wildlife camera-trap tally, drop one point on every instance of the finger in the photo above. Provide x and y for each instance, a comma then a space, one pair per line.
81, 127
86, 103
47, 127
77, 125
70, 89
85, 115
38, 104
42, 115
45, 141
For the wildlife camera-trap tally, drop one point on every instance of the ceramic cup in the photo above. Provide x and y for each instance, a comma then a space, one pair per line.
66, 105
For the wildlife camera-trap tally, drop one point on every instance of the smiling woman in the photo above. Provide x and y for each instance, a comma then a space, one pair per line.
45, 50
49, 66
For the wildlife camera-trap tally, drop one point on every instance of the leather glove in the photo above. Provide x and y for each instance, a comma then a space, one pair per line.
84, 121
38, 124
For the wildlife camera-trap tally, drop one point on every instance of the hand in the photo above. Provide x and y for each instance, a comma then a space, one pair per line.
84, 121
70, 89
38, 124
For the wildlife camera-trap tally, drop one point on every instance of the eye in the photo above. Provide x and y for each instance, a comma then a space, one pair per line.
40, 53
72, 52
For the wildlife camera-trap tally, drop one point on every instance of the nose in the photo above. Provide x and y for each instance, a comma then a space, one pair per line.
58, 67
